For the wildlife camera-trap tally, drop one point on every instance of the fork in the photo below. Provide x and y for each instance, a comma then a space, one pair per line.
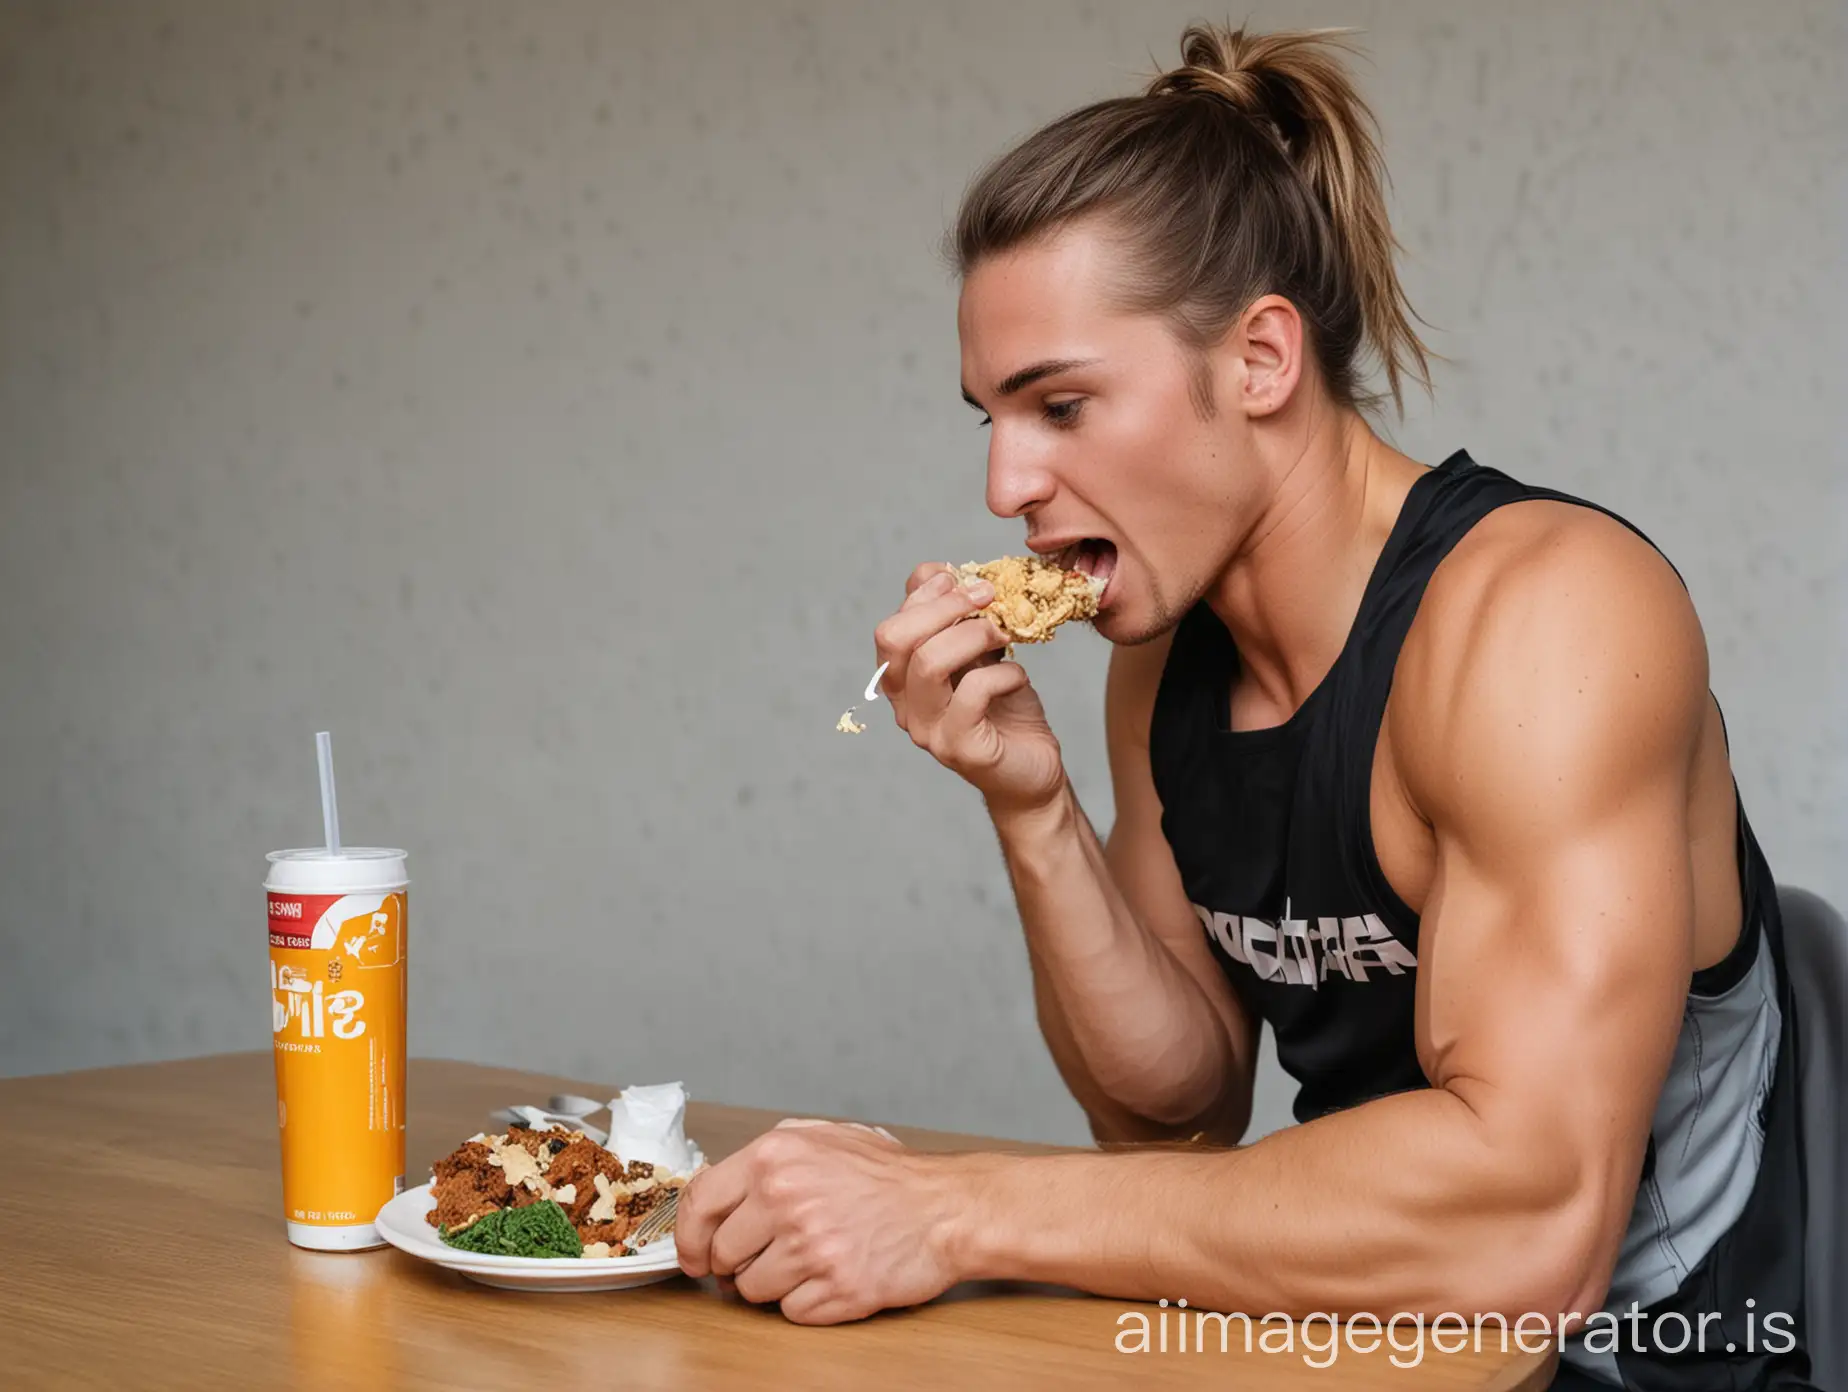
658, 1223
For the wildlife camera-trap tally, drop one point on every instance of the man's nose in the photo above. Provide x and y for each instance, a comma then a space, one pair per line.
1016, 482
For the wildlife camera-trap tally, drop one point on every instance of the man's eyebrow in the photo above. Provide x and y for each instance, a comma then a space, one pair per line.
1027, 376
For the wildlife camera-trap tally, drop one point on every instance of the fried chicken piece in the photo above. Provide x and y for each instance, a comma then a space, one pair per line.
536, 1142
613, 1232
1033, 597
630, 1210
470, 1155
469, 1182
466, 1187
577, 1165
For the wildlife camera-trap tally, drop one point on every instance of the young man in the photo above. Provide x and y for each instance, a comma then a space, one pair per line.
1418, 765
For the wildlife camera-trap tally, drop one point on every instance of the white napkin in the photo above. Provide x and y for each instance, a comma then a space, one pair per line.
650, 1124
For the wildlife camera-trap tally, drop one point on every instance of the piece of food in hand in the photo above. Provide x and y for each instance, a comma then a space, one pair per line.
536, 1230
1033, 597
601, 1198
847, 725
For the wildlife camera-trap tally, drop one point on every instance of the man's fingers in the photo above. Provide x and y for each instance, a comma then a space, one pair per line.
974, 694
851, 1125
815, 1301
707, 1201
900, 633
897, 638
933, 576
774, 1274
743, 1236
932, 673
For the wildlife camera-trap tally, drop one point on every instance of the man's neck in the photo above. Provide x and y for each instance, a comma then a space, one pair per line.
1290, 596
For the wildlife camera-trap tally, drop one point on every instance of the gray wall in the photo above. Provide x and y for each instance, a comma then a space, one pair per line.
549, 398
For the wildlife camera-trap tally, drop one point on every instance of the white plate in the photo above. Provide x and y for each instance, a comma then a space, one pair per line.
401, 1223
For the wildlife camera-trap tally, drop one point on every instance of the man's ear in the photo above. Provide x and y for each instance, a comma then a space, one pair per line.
1269, 340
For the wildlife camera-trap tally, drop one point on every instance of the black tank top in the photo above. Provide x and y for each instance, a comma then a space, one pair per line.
1271, 831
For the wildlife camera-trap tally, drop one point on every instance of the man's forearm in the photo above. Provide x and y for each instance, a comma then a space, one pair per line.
1131, 1032
1403, 1204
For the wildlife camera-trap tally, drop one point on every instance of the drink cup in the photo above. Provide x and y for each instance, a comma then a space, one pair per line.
338, 921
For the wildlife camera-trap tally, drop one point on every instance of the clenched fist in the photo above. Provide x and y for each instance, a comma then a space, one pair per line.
831, 1221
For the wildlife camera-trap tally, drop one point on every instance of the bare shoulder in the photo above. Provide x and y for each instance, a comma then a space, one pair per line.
1552, 635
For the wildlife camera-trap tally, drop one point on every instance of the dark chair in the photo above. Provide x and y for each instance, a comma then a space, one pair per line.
1816, 947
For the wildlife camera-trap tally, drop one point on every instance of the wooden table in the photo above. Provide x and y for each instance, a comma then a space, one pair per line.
185, 1279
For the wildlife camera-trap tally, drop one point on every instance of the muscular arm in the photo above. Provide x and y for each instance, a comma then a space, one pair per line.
1143, 1026
1543, 726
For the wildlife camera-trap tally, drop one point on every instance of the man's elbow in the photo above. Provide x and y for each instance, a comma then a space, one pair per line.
1584, 1278
1205, 1095
1174, 1116
1556, 1256
1574, 1279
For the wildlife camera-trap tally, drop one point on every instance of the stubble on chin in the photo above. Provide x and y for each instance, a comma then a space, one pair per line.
1158, 625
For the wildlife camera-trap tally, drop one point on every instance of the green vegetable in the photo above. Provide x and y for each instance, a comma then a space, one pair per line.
538, 1230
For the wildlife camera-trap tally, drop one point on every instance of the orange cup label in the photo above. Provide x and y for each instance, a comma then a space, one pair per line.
337, 1007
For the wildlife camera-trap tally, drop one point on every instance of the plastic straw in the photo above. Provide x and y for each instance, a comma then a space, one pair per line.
330, 807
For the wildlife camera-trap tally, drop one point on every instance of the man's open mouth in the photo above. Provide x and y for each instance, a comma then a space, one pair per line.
1093, 557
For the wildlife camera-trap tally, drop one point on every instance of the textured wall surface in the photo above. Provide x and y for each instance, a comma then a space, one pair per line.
548, 399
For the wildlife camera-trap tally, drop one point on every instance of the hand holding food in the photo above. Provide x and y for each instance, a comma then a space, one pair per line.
974, 713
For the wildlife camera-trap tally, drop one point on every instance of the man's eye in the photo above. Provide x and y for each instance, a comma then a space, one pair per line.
1063, 413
